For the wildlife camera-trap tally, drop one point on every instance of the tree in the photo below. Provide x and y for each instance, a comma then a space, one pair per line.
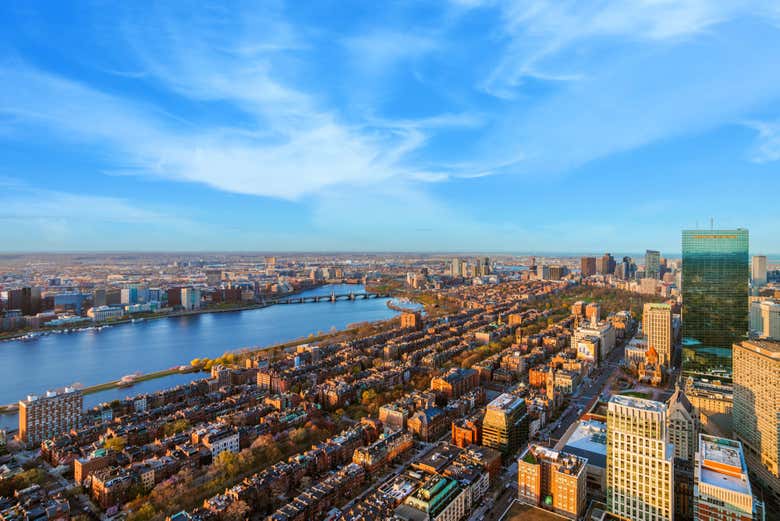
236, 511
144, 513
117, 443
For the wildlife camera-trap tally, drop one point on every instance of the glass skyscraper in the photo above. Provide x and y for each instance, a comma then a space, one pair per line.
715, 276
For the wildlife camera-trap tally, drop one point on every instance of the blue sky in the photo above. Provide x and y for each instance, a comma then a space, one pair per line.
332, 125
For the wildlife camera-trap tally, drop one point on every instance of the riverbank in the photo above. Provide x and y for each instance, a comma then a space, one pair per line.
185, 368
139, 317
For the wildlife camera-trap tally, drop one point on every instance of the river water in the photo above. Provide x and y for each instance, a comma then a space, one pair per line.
93, 357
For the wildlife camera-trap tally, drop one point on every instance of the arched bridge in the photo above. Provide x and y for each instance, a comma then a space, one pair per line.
333, 297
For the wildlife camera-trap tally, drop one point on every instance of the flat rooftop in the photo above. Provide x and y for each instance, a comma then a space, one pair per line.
637, 403
504, 402
589, 440
765, 347
522, 512
723, 464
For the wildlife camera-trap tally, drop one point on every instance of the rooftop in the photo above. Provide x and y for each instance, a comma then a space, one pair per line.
589, 440
505, 402
723, 464
637, 403
765, 347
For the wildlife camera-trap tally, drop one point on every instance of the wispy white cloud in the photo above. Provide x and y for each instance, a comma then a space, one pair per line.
767, 149
537, 32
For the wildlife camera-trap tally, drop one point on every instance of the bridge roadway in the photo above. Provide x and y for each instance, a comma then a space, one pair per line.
333, 297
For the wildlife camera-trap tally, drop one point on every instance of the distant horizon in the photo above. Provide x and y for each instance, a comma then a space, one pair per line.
464, 253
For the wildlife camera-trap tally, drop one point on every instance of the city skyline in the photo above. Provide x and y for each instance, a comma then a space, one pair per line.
429, 128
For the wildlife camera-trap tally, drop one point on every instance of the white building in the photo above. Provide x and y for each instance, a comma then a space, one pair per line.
721, 489
758, 270
765, 319
101, 313
640, 479
603, 330
190, 298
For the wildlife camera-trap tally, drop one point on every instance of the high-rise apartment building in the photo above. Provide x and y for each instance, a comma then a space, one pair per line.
652, 264
588, 266
758, 270
657, 326
552, 480
455, 268
765, 319
715, 275
505, 427
757, 406
43, 417
639, 460
721, 485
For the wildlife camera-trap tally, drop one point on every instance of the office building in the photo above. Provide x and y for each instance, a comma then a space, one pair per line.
639, 460
657, 326
44, 417
652, 264
606, 264
505, 427
765, 319
721, 485
27, 300
588, 266
715, 276
552, 480
683, 424
757, 406
758, 270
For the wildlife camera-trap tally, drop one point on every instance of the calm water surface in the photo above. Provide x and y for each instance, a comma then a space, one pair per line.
93, 357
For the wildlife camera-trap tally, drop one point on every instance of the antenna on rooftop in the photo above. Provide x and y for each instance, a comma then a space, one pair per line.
712, 223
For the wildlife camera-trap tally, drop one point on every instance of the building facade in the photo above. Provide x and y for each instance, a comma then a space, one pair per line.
505, 427
721, 489
715, 277
552, 480
758, 270
757, 406
765, 319
44, 417
640, 483
657, 325
652, 264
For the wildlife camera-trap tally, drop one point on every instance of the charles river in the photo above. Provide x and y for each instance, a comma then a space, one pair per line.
94, 357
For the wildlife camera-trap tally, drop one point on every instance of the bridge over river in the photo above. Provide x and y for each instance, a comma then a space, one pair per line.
333, 297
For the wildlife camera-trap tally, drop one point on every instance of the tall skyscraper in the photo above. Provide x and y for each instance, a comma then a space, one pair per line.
652, 264
639, 460
606, 264
722, 489
757, 406
455, 268
588, 266
715, 275
759, 270
657, 325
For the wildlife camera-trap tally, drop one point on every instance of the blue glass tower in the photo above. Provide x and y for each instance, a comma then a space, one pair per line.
715, 276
